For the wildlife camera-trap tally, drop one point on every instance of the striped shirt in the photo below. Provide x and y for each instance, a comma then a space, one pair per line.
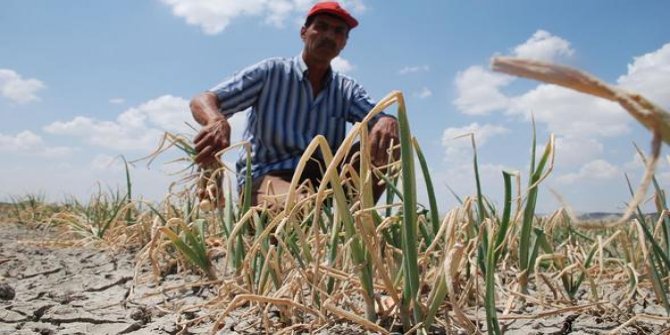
285, 116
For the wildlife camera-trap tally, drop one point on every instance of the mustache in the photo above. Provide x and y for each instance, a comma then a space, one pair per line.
326, 43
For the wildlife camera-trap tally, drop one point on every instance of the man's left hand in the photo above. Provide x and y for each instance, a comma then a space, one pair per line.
384, 131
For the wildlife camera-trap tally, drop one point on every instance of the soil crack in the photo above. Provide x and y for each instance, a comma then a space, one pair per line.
47, 272
38, 296
121, 281
58, 321
13, 321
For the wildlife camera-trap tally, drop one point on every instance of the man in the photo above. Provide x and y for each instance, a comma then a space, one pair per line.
292, 101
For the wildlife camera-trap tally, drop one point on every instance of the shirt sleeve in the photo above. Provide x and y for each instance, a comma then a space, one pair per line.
361, 105
242, 89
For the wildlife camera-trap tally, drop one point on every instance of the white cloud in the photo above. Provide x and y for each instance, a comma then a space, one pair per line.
108, 134
479, 91
106, 162
78, 177
573, 151
340, 64
581, 122
166, 112
458, 149
17, 89
31, 144
138, 128
635, 163
597, 170
278, 11
413, 69
355, 6
649, 74
24, 140
423, 93
578, 119
460, 177
117, 101
569, 113
482, 133
213, 16
544, 46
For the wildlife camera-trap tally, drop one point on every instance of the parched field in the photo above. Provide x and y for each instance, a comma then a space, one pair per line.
62, 288
329, 260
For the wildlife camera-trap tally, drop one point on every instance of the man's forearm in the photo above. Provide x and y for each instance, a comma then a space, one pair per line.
205, 108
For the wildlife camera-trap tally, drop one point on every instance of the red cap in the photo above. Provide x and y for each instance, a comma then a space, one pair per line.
333, 8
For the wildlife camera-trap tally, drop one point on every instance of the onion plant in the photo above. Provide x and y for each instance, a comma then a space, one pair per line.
190, 241
537, 174
95, 218
658, 262
30, 208
330, 251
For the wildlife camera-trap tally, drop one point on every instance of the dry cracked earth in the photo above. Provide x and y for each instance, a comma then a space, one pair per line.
51, 290
46, 289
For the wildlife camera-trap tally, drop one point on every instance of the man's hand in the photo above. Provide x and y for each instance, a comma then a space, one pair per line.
212, 138
384, 131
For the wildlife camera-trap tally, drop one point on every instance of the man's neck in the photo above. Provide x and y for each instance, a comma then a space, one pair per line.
316, 71
316, 74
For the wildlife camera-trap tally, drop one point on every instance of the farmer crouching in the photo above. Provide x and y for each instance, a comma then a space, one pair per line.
292, 100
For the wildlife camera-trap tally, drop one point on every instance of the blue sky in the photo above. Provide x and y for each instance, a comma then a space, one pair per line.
82, 82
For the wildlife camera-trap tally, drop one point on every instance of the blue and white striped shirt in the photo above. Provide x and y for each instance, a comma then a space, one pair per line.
285, 116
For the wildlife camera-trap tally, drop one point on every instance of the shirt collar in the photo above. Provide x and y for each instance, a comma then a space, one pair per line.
300, 65
302, 69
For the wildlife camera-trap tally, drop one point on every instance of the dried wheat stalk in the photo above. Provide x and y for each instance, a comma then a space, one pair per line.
647, 113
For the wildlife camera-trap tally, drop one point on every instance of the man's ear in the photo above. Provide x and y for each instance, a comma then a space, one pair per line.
302, 32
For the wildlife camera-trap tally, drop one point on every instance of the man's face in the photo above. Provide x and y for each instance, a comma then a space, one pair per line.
324, 38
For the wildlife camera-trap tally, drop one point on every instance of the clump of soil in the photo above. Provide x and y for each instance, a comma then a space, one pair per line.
7, 292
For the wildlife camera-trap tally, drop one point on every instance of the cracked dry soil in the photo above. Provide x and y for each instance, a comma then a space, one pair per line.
45, 289
50, 290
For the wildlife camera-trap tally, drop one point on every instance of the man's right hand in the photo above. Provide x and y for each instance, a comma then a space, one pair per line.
212, 138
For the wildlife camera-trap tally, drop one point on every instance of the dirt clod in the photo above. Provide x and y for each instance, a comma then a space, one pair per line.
7, 292
141, 314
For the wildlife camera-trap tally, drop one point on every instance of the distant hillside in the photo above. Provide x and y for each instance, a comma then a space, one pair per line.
604, 216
